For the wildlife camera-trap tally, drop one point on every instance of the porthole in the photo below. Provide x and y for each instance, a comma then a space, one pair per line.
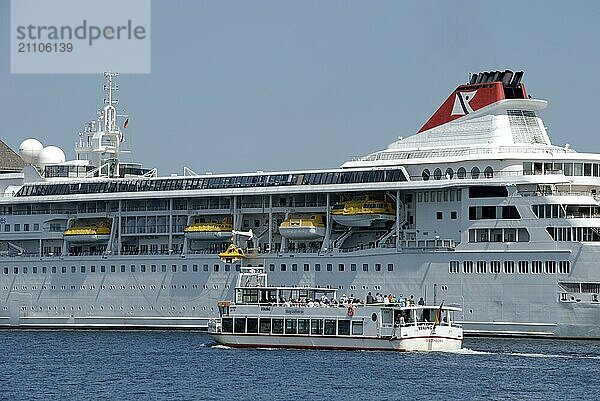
425, 175
437, 174
461, 173
488, 172
449, 173
374, 317
475, 172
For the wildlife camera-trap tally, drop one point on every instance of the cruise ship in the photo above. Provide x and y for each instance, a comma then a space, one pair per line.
478, 208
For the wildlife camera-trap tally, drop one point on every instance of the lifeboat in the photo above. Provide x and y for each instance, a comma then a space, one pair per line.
232, 253
363, 211
91, 233
210, 230
303, 228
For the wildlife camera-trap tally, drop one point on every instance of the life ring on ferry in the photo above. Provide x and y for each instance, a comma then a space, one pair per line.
350, 311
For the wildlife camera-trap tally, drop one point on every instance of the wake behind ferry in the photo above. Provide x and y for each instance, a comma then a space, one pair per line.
292, 317
478, 208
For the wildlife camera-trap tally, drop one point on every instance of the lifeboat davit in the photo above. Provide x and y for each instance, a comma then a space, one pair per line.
363, 211
91, 233
210, 230
303, 228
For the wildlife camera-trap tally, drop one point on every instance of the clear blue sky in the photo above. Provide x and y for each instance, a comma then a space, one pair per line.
271, 85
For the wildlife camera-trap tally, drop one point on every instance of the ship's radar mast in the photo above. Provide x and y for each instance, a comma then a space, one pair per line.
100, 143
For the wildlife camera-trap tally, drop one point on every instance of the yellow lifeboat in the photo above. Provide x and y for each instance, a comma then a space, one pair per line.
209, 230
90, 233
363, 211
232, 253
303, 228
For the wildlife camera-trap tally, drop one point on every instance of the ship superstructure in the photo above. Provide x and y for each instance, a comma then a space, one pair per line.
478, 208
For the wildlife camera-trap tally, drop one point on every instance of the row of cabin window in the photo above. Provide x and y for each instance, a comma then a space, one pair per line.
557, 211
315, 327
574, 234
498, 235
493, 212
242, 181
17, 227
114, 269
114, 287
461, 173
329, 267
439, 196
508, 267
569, 169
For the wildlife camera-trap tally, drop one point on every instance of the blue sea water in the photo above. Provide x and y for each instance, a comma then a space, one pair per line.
113, 365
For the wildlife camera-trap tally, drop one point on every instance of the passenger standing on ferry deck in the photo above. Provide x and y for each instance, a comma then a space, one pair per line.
378, 298
386, 299
421, 301
401, 321
369, 298
411, 301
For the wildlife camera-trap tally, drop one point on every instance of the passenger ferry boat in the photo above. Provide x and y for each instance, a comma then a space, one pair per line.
292, 317
478, 208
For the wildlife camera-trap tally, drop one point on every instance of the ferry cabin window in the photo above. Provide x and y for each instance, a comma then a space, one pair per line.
303, 326
352, 267
153, 268
277, 326
344, 327
439, 215
461, 172
227, 325
205, 268
291, 326
294, 267
265, 326
330, 327
239, 325
365, 267
272, 267
283, 267
306, 267
341, 267
216, 268
143, 268
316, 326
252, 325
377, 267
357, 328
329, 267
453, 215
390, 267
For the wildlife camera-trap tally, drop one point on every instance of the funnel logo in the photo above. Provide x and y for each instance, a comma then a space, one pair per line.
461, 103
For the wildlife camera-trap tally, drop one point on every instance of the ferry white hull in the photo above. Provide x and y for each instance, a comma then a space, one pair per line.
423, 343
302, 233
362, 220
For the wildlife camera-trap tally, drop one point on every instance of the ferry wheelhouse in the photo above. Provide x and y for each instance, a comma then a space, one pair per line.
292, 317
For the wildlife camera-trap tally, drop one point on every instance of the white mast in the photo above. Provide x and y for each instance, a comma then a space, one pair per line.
101, 143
